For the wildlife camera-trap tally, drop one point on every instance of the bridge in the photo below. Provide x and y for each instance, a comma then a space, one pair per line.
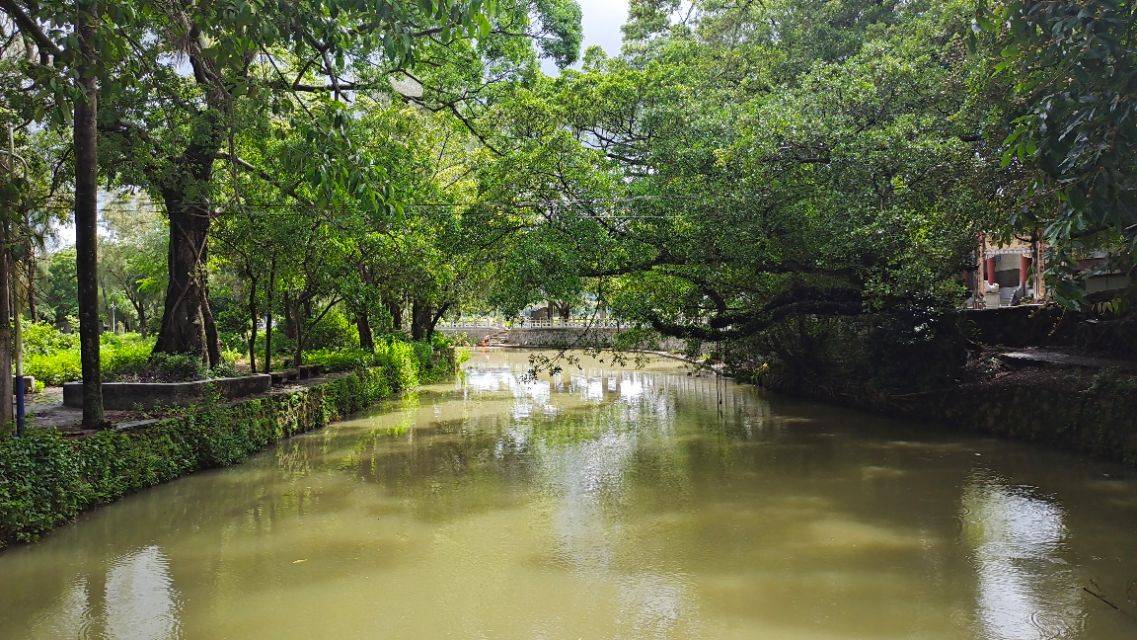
549, 333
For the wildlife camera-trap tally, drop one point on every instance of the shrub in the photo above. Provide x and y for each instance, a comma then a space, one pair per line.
332, 332
54, 368
121, 355
122, 360
41, 338
46, 479
40, 484
340, 359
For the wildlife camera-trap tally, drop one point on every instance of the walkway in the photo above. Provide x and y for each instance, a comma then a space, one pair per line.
1035, 357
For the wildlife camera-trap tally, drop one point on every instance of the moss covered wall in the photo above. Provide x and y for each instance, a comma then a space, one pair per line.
47, 479
1100, 419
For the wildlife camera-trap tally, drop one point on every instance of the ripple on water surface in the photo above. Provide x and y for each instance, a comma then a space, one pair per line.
603, 502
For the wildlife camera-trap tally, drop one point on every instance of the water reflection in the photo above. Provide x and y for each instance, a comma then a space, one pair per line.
140, 598
1025, 588
601, 502
132, 599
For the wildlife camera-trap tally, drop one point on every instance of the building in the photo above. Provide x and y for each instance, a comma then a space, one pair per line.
1007, 274
1011, 274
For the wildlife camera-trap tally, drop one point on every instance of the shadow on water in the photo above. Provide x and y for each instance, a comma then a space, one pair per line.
665, 505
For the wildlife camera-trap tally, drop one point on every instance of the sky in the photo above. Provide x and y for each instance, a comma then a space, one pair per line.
601, 20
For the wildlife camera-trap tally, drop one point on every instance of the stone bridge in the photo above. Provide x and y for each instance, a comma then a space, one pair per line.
555, 334
560, 334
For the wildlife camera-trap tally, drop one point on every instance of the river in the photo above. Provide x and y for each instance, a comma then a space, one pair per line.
608, 501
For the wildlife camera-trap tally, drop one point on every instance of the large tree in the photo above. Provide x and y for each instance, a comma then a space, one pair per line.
67, 46
1072, 120
742, 164
252, 61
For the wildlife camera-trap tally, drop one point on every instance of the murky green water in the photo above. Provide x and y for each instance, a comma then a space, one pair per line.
603, 503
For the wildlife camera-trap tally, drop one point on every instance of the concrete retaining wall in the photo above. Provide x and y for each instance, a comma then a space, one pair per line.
1102, 422
473, 334
561, 338
149, 395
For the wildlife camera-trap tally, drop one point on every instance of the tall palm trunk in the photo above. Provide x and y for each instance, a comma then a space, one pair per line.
5, 331
87, 215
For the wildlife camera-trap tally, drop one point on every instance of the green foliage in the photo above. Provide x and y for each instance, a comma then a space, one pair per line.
1073, 67
865, 357
333, 331
41, 338
124, 358
46, 479
333, 360
40, 484
55, 359
167, 367
754, 163
54, 368
57, 290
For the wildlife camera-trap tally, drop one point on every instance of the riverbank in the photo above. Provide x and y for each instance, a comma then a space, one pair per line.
47, 478
1074, 408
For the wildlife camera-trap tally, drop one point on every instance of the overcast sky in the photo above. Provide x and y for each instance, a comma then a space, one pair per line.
602, 20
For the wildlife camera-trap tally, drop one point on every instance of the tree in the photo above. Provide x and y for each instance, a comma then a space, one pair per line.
65, 45
746, 164
133, 258
1073, 120
247, 68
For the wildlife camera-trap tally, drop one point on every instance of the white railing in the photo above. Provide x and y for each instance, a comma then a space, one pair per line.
461, 326
572, 323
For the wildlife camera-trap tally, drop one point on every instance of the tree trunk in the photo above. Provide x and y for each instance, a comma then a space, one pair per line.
290, 329
87, 216
268, 315
292, 317
435, 318
421, 314
186, 320
395, 309
253, 327
6, 416
212, 340
30, 269
140, 311
366, 337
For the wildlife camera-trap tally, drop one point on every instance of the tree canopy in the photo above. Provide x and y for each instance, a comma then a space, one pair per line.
736, 166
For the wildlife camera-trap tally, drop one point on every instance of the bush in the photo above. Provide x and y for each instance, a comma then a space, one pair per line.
46, 479
41, 338
124, 359
334, 331
408, 363
127, 356
40, 484
120, 355
54, 368
333, 360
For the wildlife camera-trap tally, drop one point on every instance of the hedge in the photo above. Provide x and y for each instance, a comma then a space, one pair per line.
47, 479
